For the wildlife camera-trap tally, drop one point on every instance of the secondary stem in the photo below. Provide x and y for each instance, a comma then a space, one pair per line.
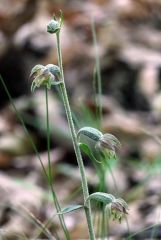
75, 143
37, 153
98, 87
50, 177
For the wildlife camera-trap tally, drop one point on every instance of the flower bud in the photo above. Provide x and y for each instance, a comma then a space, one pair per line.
53, 26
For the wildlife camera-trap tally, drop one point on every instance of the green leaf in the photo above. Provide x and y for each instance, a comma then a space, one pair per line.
71, 208
101, 197
84, 147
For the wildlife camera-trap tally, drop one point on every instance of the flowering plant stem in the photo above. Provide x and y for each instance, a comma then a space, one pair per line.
50, 177
75, 142
98, 80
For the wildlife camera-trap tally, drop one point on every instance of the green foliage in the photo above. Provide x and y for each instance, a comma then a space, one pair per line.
84, 147
70, 208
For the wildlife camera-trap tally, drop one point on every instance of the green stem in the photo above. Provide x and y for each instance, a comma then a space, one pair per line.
48, 136
98, 79
50, 176
75, 143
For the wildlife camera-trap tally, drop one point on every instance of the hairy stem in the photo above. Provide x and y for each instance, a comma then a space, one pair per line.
50, 176
75, 143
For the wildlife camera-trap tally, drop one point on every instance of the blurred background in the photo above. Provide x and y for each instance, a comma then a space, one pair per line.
122, 38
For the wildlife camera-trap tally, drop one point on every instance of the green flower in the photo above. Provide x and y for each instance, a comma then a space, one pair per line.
44, 76
108, 144
104, 142
117, 209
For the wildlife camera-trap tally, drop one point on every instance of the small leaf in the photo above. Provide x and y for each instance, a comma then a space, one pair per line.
71, 208
84, 147
90, 132
101, 197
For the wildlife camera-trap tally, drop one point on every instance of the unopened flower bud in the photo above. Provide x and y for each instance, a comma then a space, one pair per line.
53, 26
